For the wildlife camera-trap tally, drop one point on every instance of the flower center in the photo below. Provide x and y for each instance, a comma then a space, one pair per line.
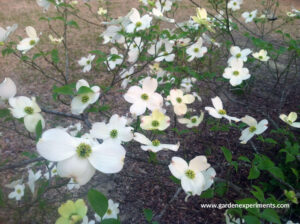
222, 112
156, 142
238, 55
166, 53
109, 211
260, 57
155, 123
32, 42
19, 191
196, 50
85, 99
28, 110
252, 129
144, 96
113, 133
54, 171
236, 73
88, 62
179, 100
84, 150
138, 24
234, 3
194, 120
190, 174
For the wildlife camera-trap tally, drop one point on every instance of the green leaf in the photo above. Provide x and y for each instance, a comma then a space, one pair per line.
84, 90
207, 194
221, 188
98, 202
38, 130
246, 201
271, 216
244, 158
73, 23
227, 154
254, 173
148, 214
54, 56
251, 219
175, 180
4, 112
277, 172
259, 194
1, 198
110, 221
64, 90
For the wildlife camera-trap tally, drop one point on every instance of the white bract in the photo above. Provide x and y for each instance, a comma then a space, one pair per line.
218, 112
249, 16
290, 119
134, 49
262, 55
112, 34
253, 129
126, 76
196, 50
194, 121
166, 55
8, 89
55, 40
138, 22
45, 4
191, 175
145, 97
101, 11
23, 107
237, 53
187, 84
32, 178
4, 33
78, 158
236, 73
163, 5
158, 14
179, 101
114, 59
234, 4
112, 210
86, 62
116, 130
72, 185
83, 100
155, 145
29, 42
18, 193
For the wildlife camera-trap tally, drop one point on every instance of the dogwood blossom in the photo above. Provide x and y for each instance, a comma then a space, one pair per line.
18, 193
4, 33
156, 121
158, 14
187, 84
249, 16
163, 5
78, 158
209, 176
134, 49
102, 11
86, 62
32, 178
290, 119
194, 121
29, 42
155, 145
114, 59
234, 4
8, 89
23, 107
196, 50
112, 34
138, 22
236, 73
191, 175
82, 101
45, 4
55, 40
166, 55
145, 97
116, 130
218, 112
262, 55
237, 53
126, 76
253, 129
179, 101
112, 210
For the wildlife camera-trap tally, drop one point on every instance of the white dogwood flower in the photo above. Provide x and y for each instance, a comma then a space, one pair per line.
249, 16
290, 119
155, 145
4, 33
32, 178
164, 5
218, 112
179, 101
114, 59
156, 121
18, 193
45, 4
166, 55
29, 42
237, 53
134, 49
196, 50
262, 55
194, 121
187, 84
8, 89
236, 73
191, 176
112, 210
86, 62
253, 129
138, 22
158, 14
209, 176
55, 40
145, 97
126, 76
234, 4
82, 101
116, 130
112, 34
78, 158
101, 11
23, 107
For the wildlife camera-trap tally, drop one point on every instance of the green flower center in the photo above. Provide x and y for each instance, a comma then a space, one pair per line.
19, 191
54, 170
155, 123
196, 50
234, 3
222, 112
238, 55
260, 57
28, 110
179, 100
144, 96
190, 174
113, 133
88, 62
194, 120
84, 150
252, 129
85, 99
156, 142
138, 24
166, 53
236, 73
32, 42
109, 211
